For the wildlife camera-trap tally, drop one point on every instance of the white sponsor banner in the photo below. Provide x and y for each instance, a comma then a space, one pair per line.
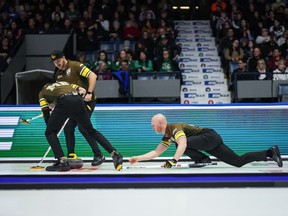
202, 76
202, 70
199, 49
215, 82
188, 36
206, 82
203, 89
192, 76
201, 59
206, 95
195, 31
198, 65
199, 54
190, 22
196, 44
204, 101
190, 27
189, 40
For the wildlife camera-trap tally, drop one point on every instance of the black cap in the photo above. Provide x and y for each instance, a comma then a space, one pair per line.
56, 54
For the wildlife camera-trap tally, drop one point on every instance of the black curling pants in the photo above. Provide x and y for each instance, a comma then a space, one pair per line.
69, 131
211, 142
74, 108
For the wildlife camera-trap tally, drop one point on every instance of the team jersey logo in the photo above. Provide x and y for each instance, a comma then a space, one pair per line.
68, 71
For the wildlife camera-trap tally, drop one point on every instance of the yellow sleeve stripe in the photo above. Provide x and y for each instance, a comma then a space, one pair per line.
167, 144
74, 86
43, 102
85, 72
179, 134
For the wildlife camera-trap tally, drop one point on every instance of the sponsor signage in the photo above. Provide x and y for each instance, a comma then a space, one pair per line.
196, 59
189, 40
199, 54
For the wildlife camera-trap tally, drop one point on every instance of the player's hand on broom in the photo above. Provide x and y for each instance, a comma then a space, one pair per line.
133, 160
170, 163
82, 91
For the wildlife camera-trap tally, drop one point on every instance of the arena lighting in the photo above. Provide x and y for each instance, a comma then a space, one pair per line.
181, 7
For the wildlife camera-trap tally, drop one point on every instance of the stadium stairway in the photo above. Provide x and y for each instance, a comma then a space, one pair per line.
204, 81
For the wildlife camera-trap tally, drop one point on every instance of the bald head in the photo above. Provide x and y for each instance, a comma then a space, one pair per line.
159, 123
159, 117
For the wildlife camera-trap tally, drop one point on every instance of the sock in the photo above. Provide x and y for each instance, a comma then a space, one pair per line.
269, 153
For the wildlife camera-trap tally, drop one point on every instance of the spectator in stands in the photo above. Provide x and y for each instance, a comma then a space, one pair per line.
240, 73
23, 21
268, 47
90, 42
4, 52
122, 75
131, 31
252, 62
142, 63
47, 29
16, 31
81, 57
274, 59
264, 37
103, 73
284, 49
283, 38
115, 33
57, 24
117, 17
221, 20
122, 55
67, 25
148, 44
223, 31
72, 13
232, 55
218, 4
87, 18
277, 29
166, 63
44, 8
104, 22
281, 73
263, 71
174, 49
248, 47
244, 32
149, 27
226, 42
57, 11
102, 56
32, 28
81, 34
146, 14
134, 6
5, 19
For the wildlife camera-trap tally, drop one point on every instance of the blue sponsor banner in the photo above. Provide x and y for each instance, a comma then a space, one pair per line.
214, 82
218, 95
194, 95
212, 70
193, 82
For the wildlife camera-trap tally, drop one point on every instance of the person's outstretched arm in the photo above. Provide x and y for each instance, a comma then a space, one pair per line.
148, 156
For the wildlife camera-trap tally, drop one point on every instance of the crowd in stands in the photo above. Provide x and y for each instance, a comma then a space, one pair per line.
252, 36
147, 24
